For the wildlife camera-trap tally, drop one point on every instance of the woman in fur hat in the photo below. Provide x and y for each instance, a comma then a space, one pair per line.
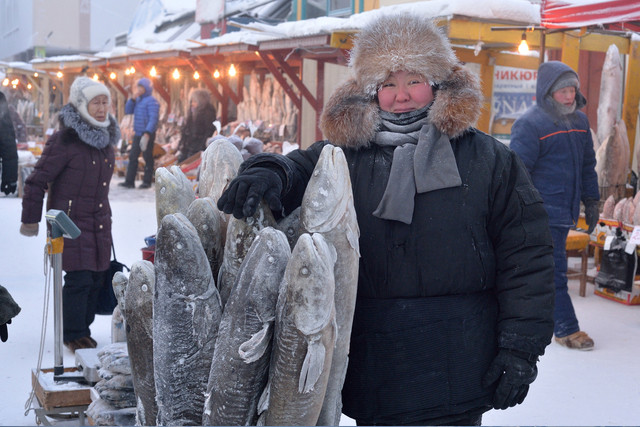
75, 170
199, 125
455, 288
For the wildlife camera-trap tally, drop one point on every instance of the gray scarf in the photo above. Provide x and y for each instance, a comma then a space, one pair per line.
423, 161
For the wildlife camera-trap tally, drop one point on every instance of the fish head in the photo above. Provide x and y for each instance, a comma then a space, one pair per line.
311, 283
220, 163
205, 217
328, 193
142, 277
178, 248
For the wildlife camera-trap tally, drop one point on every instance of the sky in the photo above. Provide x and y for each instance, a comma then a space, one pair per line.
599, 387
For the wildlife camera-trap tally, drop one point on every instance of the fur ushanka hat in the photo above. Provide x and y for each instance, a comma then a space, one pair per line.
400, 42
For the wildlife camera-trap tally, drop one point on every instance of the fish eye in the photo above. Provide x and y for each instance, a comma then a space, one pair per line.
304, 271
145, 288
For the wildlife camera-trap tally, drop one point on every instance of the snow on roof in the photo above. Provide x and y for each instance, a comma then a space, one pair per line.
144, 38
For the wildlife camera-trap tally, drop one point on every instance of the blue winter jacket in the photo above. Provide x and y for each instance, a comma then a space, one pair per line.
145, 110
557, 150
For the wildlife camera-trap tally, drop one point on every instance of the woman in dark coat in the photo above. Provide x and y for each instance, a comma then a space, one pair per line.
455, 294
199, 125
76, 168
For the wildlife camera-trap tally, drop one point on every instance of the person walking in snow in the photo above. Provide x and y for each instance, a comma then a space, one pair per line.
75, 169
8, 149
553, 139
145, 109
455, 299
198, 126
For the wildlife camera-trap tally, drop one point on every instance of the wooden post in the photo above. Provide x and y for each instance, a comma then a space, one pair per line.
632, 95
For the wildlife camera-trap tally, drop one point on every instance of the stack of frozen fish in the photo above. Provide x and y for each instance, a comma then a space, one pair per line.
243, 322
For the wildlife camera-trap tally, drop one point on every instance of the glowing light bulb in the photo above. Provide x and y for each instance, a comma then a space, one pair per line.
112, 76
523, 47
216, 74
153, 71
5, 82
95, 77
196, 75
232, 71
176, 74
29, 86
59, 74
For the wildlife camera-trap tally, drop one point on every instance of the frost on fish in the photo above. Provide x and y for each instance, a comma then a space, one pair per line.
327, 208
239, 369
186, 316
612, 162
139, 327
305, 335
206, 218
290, 226
610, 98
240, 236
219, 165
174, 192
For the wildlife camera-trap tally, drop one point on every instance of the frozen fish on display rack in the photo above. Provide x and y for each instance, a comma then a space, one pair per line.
327, 208
174, 192
239, 369
186, 316
138, 314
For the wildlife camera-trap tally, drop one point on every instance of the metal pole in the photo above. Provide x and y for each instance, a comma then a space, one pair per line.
56, 261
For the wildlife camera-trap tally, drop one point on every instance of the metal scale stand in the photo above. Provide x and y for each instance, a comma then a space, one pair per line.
51, 402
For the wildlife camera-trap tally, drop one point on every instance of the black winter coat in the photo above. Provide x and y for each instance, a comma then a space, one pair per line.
77, 176
437, 298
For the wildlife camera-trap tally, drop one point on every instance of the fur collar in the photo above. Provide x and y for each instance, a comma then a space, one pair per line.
91, 135
351, 117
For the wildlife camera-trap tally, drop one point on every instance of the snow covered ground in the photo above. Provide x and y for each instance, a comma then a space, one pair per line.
601, 387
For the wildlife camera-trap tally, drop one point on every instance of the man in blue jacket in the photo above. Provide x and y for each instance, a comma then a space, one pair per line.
553, 139
144, 108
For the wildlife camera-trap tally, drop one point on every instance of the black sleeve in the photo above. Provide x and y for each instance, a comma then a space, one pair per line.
296, 167
519, 228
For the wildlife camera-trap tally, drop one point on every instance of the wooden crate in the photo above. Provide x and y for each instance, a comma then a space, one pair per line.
59, 396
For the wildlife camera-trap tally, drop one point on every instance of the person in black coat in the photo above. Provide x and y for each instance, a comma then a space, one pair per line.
455, 282
198, 126
8, 149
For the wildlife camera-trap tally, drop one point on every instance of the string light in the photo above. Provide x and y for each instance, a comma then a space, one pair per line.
176, 74
59, 74
112, 76
95, 77
29, 86
35, 74
232, 71
196, 75
153, 71
216, 74
5, 82
523, 48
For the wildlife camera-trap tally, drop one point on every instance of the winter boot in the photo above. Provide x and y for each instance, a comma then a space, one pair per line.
578, 340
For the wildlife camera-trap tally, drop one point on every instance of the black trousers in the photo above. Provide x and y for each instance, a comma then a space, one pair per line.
459, 420
79, 301
147, 155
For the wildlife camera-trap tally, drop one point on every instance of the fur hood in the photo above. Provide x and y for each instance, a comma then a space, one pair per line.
97, 137
393, 43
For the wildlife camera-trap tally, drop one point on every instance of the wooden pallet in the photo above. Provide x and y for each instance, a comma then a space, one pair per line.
51, 396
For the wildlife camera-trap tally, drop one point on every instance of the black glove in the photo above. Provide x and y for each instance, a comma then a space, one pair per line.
244, 193
515, 370
4, 333
9, 187
591, 214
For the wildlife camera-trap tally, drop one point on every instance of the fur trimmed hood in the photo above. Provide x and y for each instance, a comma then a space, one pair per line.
351, 117
97, 137
400, 42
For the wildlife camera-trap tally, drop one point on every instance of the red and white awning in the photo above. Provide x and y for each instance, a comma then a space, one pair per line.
611, 14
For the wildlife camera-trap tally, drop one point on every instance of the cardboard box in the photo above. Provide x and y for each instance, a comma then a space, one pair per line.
623, 297
52, 394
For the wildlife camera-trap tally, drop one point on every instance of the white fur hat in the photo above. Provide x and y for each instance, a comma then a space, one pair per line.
82, 91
